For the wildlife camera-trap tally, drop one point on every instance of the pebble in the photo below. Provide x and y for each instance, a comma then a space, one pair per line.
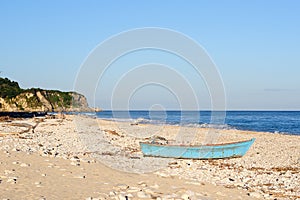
12, 180
24, 165
122, 186
122, 197
133, 189
185, 196
254, 194
112, 193
155, 186
142, 195
80, 176
75, 163
142, 183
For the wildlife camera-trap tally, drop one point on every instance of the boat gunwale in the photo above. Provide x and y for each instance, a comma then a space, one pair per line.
209, 145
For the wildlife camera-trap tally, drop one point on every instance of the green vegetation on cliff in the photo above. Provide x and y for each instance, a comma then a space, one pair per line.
9, 89
14, 98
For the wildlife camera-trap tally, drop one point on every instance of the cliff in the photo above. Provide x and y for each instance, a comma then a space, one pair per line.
15, 99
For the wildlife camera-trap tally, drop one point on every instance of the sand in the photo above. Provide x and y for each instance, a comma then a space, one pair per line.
79, 157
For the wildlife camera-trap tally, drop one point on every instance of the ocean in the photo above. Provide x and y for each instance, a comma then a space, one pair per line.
285, 122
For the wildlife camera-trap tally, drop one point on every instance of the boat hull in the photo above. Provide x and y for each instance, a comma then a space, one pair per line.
229, 150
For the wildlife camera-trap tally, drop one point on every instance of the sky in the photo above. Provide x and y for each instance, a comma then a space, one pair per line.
255, 46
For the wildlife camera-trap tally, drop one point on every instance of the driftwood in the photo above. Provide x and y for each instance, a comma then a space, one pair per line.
113, 132
25, 125
2, 134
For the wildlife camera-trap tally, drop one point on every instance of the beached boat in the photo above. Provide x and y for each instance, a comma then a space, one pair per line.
209, 151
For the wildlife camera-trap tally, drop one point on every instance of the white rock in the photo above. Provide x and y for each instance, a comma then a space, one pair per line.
122, 197
122, 186
80, 176
155, 186
75, 163
133, 189
255, 194
185, 196
12, 180
142, 195
25, 165
112, 193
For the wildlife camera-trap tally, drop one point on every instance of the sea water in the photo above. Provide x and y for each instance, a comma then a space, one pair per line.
285, 122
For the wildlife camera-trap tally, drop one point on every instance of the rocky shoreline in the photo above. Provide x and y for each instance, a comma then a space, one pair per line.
270, 170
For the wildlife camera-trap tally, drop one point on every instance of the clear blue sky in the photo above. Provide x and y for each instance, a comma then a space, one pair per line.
255, 44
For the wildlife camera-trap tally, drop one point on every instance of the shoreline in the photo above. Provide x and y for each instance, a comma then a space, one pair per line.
267, 171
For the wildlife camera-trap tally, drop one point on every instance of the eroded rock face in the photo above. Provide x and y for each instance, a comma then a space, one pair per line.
15, 99
45, 101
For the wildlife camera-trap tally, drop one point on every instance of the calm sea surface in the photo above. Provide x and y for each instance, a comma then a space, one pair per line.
286, 122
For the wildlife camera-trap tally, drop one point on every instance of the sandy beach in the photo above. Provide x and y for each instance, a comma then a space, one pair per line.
79, 157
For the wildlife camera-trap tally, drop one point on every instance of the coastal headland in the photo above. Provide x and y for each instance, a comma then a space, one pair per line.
14, 99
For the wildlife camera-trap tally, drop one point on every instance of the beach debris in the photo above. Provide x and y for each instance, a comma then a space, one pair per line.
113, 132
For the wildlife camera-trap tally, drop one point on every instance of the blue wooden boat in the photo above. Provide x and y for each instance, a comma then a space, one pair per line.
209, 151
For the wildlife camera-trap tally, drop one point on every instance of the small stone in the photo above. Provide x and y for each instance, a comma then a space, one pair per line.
75, 163
24, 165
155, 186
112, 193
133, 189
141, 183
80, 176
75, 158
142, 195
15, 162
149, 191
254, 194
12, 180
122, 197
122, 186
185, 196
